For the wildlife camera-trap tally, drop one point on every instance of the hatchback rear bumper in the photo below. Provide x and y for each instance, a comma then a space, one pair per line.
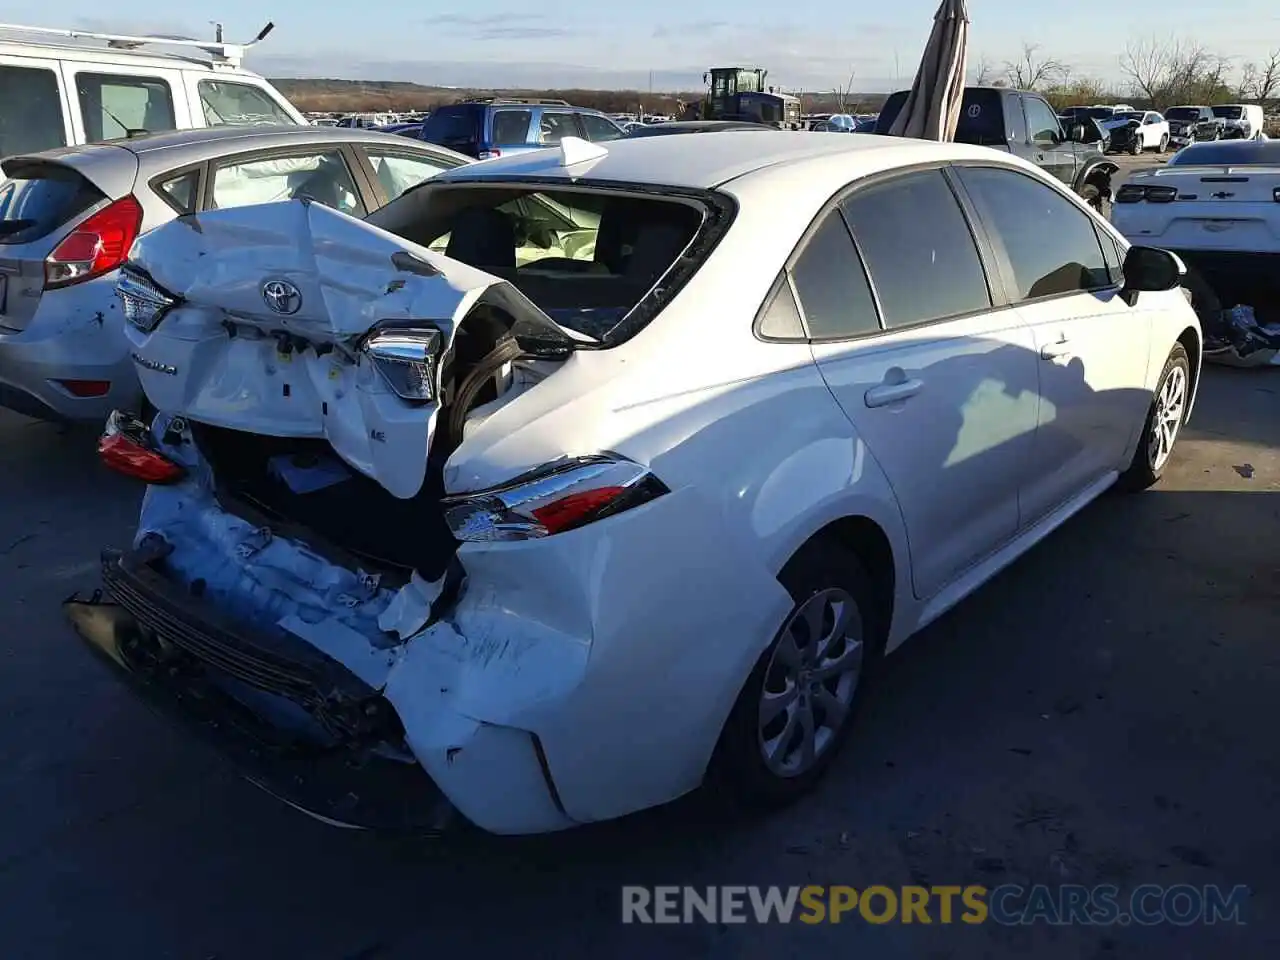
231, 690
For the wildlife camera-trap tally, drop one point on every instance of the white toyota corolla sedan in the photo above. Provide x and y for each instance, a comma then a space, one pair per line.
570, 481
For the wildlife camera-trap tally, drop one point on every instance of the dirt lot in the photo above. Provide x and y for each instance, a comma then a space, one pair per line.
1105, 712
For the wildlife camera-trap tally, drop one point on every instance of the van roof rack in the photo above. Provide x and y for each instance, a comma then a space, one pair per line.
220, 52
545, 101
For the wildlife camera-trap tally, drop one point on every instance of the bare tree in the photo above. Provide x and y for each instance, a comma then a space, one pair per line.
984, 72
1261, 81
842, 94
1172, 71
1031, 71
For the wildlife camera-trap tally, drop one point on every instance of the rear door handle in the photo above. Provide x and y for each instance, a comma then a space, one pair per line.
888, 393
1056, 351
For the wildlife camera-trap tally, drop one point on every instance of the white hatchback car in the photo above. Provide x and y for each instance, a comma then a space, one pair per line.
570, 480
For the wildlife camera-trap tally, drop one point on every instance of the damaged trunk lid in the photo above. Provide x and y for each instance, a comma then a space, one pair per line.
294, 320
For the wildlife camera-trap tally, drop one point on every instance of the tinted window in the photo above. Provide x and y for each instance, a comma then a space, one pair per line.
1182, 113
1229, 153
180, 191
398, 172
451, 126
981, 116
30, 111
239, 103
511, 127
39, 199
115, 106
1228, 113
832, 286
598, 128
321, 177
918, 248
1051, 243
1042, 122
781, 318
556, 126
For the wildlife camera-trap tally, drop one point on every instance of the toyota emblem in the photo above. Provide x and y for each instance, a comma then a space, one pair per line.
282, 296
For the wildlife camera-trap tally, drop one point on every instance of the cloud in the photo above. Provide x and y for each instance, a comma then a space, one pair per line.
512, 25
689, 29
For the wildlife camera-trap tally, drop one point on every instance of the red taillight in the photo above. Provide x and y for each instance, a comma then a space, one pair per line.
128, 456
85, 388
489, 154
95, 247
568, 511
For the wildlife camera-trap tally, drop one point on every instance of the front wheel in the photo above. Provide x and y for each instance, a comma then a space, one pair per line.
798, 705
1163, 145
1164, 423
1135, 146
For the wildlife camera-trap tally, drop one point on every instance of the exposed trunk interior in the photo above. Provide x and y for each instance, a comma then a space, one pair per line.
303, 483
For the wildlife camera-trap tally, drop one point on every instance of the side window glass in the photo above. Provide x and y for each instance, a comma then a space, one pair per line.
918, 249
30, 111
1041, 121
180, 191
322, 177
557, 126
511, 127
781, 318
227, 104
1050, 242
115, 106
598, 128
832, 286
397, 173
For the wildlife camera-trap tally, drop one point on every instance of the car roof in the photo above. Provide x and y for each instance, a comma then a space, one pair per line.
164, 151
707, 162
1226, 153
705, 126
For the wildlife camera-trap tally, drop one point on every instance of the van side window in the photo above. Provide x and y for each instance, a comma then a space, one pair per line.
118, 105
30, 111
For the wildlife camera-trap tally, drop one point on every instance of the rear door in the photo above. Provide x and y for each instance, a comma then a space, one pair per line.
33, 106
323, 173
555, 125
938, 379
112, 102
597, 128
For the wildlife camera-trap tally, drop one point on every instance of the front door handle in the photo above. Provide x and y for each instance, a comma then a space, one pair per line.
888, 393
1056, 351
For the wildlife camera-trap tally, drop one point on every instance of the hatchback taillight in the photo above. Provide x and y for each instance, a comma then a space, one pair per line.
98, 245
126, 447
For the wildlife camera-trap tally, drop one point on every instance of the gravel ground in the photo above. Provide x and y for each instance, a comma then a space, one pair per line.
1105, 711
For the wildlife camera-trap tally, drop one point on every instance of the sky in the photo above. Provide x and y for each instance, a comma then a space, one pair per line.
807, 45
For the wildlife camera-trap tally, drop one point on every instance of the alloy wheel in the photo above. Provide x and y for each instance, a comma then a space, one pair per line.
810, 682
1166, 419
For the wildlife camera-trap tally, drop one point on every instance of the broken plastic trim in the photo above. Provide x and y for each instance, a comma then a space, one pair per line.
553, 499
127, 446
144, 302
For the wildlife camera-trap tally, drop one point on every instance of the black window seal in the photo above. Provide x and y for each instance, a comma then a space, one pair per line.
156, 185
999, 252
995, 289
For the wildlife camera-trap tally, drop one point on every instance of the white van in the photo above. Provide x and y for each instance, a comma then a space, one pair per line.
83, 87
1241, 120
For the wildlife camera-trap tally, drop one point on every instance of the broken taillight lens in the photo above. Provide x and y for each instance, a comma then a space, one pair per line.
406, 358
126, 447
553, 499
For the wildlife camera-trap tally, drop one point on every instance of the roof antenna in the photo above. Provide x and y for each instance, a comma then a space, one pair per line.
217, 31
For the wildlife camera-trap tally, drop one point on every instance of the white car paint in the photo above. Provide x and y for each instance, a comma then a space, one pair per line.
1245, 218
623, 644
1153, 128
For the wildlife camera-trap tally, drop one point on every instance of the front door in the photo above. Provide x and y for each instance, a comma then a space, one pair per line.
940, 386
1091, 347
1050, 149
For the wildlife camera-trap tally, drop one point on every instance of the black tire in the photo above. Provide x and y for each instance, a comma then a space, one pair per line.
1163, 145
1143, 471
738, 771
1135, 146
1091, 194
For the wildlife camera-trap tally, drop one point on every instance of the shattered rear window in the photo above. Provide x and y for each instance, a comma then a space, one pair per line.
600, 262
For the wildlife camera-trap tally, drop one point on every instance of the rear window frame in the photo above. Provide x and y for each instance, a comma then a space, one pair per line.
78, 211
720, 210
59, 95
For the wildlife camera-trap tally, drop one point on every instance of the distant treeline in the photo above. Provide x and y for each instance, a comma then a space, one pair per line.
361, 96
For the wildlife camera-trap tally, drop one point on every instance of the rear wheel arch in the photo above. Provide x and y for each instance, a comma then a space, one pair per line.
867, 540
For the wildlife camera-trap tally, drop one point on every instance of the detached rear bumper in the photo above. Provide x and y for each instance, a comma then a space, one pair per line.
301, 727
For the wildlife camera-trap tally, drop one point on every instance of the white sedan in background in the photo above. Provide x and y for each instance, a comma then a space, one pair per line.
545, 540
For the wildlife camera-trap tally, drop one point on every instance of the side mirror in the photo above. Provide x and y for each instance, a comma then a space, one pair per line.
1150, 269
1076, 133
